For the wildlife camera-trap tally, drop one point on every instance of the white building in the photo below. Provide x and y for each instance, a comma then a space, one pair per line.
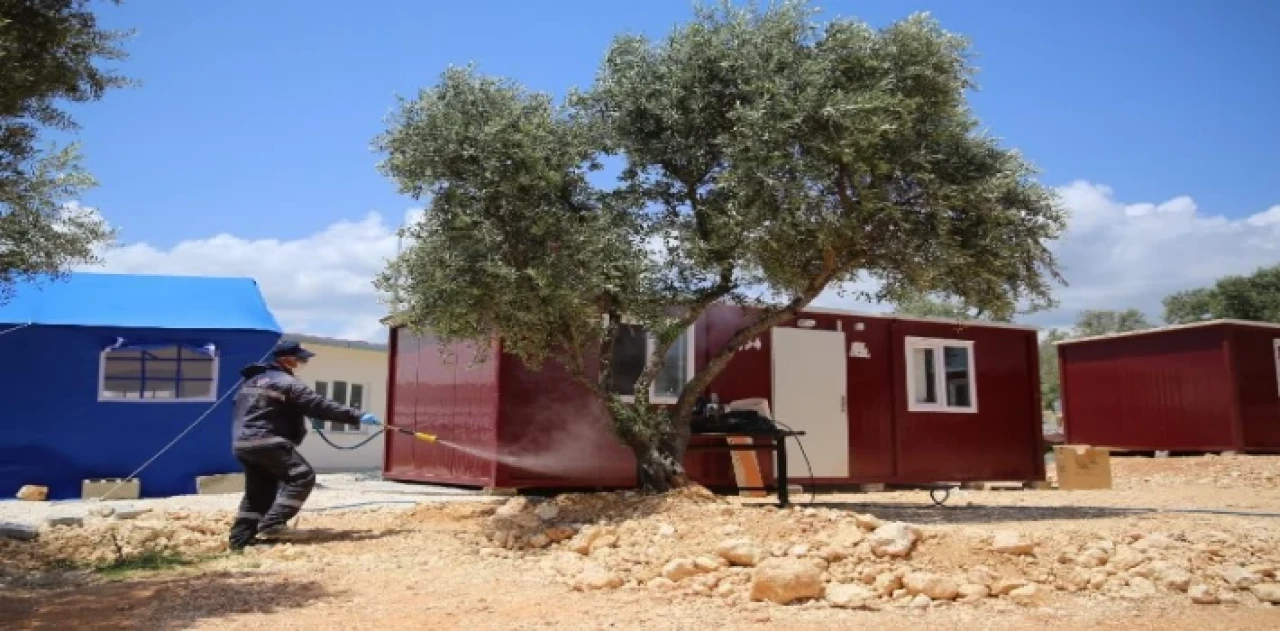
355, 374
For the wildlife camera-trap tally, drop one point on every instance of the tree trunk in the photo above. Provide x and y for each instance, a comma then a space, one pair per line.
660, 466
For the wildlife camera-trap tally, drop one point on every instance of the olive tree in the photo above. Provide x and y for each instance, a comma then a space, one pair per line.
765, 159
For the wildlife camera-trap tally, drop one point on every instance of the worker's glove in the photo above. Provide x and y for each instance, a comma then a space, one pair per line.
369, 419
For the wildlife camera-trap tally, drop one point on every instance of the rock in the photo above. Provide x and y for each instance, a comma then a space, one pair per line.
679, 569
33, 493
740, 552
1267, 592
849, 596
709, 564
20, 532
1202, 595
547, 511
886, 584
799, 550
661, 584
931, 585
1093, 557
131, 513
1006, 586
970, 592
982, 575
1009, 542
666, 530
512, 507
1025, 595
558, 534
893, 540
1127, 558
868, 522
730, 529
1171, 577
596, 577
1154, 541
1140, 588
785, 580
921, 602
540, 540
1239, 577
73, 521
602, 542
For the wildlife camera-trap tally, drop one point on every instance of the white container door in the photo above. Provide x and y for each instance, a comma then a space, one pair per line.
809, 395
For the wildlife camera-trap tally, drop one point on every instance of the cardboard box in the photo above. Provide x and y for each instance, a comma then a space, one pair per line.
1082, 468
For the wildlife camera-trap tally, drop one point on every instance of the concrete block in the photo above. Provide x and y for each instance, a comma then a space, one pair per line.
65, 520
21, 532
98, 489
871, 488
221, 484
130, 512
500, 492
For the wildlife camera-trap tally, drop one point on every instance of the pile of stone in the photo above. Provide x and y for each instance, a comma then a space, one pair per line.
697, 545
107, 535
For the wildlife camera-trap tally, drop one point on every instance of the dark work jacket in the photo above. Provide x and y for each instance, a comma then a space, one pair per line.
273, 405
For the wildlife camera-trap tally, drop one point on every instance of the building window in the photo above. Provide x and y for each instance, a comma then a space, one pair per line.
346, 393
940, 376
631, 352
161, 373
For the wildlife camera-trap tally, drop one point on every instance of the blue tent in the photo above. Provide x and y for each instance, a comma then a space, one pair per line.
98, 372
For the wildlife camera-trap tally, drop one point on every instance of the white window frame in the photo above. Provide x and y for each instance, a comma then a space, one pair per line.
650, 342
1275, 356
940, 375
102, 383
328, 394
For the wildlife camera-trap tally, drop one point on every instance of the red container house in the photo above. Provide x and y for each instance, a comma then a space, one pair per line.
1208, 386
883, 399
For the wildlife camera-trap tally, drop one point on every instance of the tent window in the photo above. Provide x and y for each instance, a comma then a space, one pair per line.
171, 373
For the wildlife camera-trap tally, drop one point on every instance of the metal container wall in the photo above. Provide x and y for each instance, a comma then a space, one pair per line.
451, 395
1166, 390
1257, 391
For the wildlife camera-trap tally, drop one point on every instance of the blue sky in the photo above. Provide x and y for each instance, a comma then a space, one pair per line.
255, 119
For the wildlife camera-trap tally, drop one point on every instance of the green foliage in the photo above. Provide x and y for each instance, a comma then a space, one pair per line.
1105, 322
48, 50
934, 306
1050, 382
1254, 297
766, 159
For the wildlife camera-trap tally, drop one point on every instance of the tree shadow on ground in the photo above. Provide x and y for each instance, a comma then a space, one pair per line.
154, 603
959, 515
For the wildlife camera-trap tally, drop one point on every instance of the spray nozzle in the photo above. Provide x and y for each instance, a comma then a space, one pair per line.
423, 436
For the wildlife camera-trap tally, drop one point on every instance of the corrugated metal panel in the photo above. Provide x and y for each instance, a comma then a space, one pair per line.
1258, 393
555, 434
446, 396
1001, 440
1159, 391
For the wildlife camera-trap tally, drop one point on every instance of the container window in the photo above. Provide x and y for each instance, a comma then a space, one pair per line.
940, 375
343, 392
631, 352
1275, 352
166, 373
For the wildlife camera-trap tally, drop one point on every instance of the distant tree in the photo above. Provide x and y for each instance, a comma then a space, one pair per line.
48, 51
1253, 297
1104, 322
937, 306
1050, 382
766, 159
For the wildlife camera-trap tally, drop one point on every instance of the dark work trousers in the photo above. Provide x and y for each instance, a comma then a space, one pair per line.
277, 481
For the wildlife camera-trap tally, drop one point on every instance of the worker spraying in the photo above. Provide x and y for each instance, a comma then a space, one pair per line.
271, 412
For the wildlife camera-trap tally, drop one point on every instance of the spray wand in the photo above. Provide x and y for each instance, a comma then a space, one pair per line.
423, 436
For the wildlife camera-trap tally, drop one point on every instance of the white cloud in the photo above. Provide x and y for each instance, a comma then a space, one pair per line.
321, 284
1114, 255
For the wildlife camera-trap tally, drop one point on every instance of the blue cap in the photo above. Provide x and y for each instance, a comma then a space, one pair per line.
292, 349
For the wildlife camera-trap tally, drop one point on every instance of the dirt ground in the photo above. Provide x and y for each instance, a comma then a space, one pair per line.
463, 566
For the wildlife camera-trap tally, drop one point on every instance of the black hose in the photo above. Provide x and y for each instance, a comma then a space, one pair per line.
358, 445
813, 482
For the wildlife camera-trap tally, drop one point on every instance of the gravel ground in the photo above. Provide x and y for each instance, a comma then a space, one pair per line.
333, 492
438, 565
